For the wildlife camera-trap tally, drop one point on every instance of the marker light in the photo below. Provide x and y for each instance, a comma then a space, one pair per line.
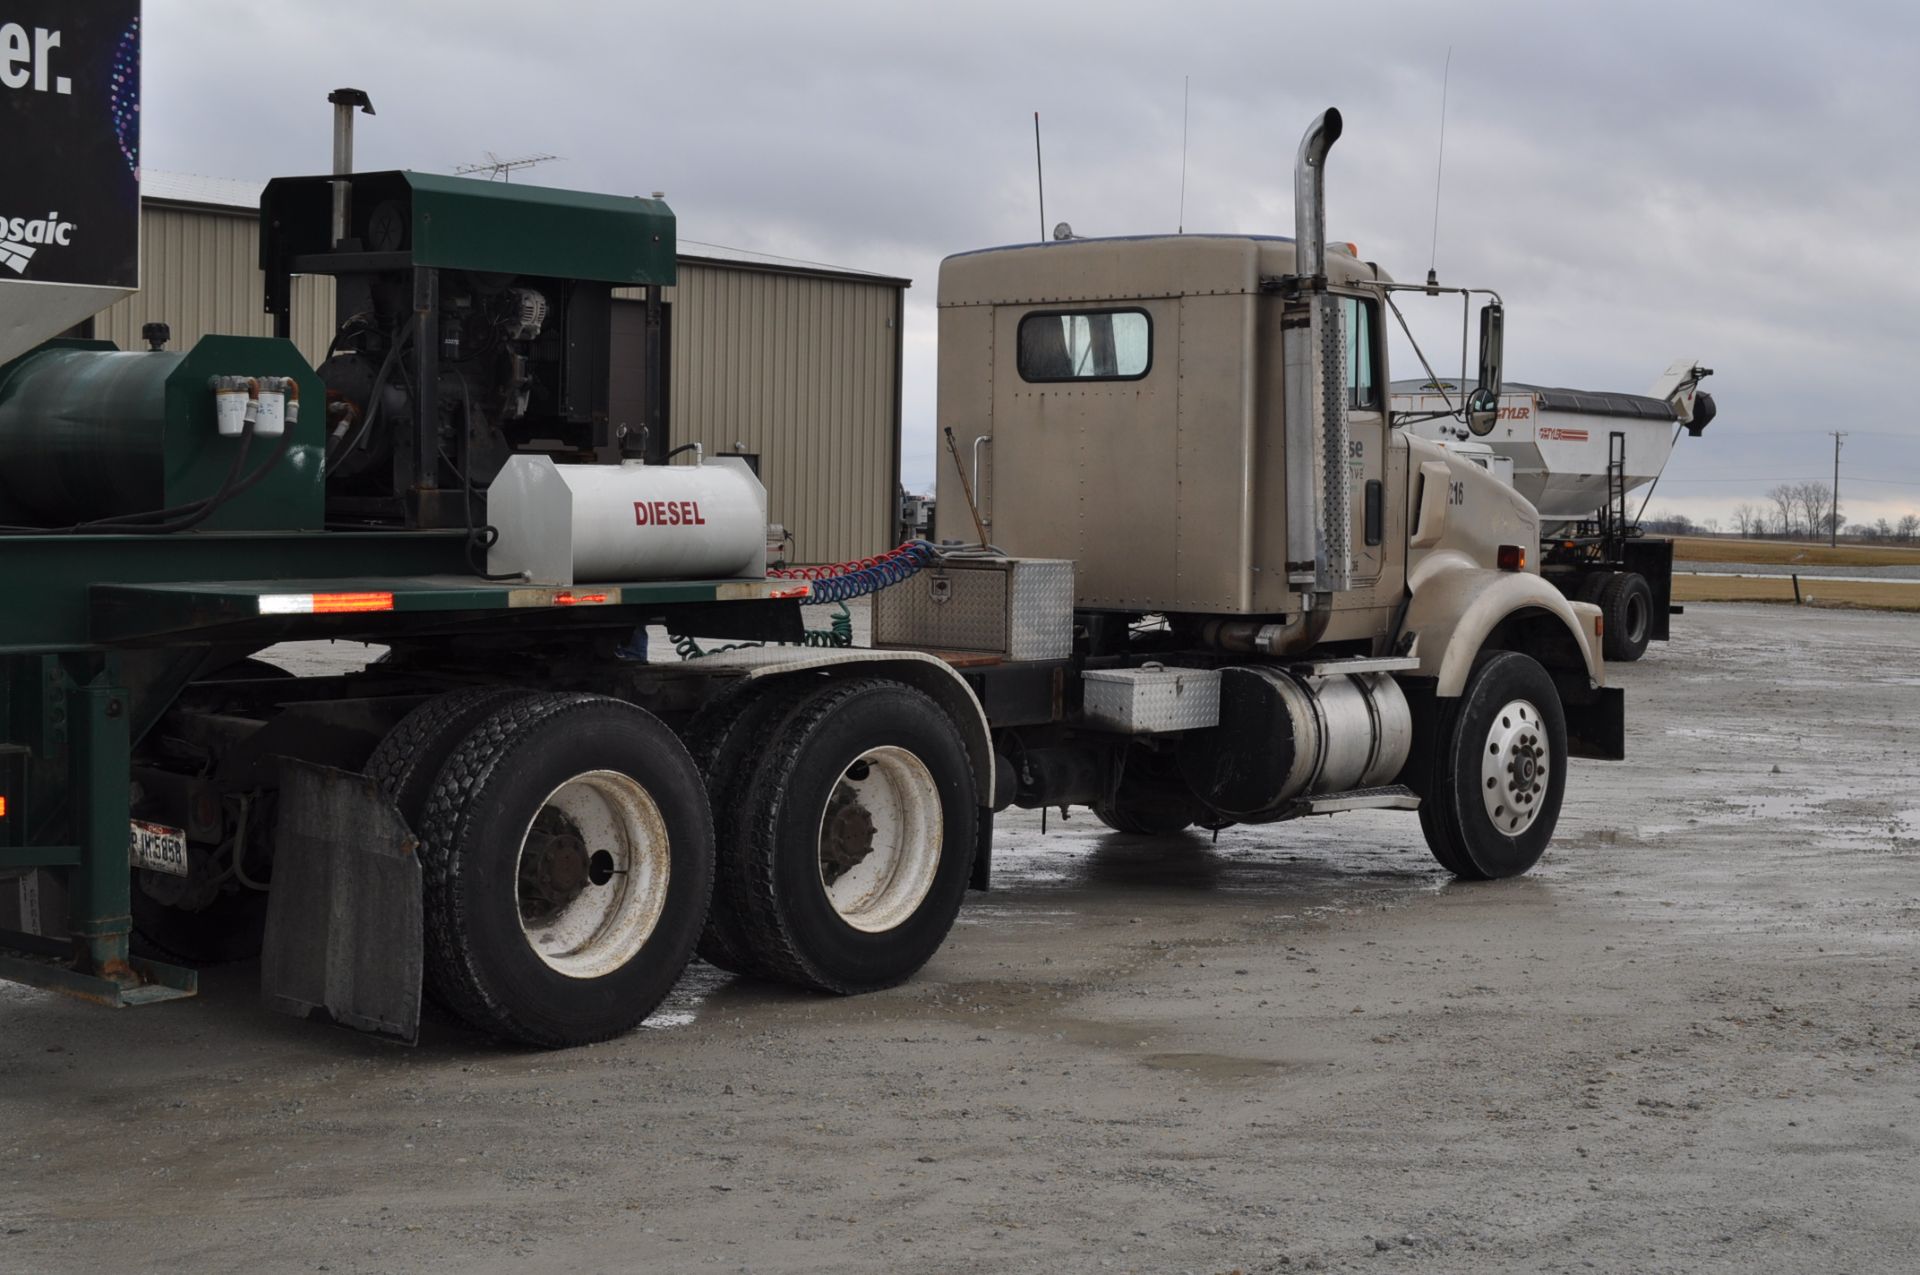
1513, 558
323, 603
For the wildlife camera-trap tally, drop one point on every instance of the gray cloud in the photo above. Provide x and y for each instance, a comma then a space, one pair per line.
1728, 181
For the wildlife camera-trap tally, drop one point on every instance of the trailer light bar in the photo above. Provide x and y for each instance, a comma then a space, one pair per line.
323, 603
1513, 558
569, 599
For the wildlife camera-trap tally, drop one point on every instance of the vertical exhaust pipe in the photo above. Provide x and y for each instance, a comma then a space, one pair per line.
344, 101
1315, 349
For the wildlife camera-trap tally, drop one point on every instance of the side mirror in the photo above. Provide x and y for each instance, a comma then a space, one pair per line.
1483, 405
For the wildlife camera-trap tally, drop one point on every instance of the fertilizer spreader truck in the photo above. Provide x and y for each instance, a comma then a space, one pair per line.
1217, 587
1576, 455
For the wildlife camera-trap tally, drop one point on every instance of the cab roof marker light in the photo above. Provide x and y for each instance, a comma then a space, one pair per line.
323, 603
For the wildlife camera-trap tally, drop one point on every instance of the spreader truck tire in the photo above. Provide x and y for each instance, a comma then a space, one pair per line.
1494, 793
568, 862
1626, 601
855, 839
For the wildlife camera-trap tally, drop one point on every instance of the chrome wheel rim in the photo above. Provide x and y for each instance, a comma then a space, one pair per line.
590, 881
879, 840
1514, 768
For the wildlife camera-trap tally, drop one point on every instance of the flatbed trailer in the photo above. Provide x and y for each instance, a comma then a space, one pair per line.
1221, 588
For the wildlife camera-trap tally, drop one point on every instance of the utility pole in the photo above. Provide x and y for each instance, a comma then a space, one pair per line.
1833, 519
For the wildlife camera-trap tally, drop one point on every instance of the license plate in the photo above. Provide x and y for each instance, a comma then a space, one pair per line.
159, 848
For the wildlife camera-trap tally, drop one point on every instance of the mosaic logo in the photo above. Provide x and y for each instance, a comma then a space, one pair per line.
20, 238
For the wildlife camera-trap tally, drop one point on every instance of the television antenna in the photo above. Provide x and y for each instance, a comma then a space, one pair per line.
493, 166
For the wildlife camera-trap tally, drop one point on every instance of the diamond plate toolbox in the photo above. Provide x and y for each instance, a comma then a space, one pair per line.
1149, 701
1018, 608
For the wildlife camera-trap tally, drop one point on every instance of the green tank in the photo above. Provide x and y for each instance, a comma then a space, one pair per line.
89, 431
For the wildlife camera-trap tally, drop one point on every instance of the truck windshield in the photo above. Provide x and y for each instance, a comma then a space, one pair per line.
1085, 345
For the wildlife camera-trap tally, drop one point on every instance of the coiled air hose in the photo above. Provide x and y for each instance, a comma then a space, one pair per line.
838, 582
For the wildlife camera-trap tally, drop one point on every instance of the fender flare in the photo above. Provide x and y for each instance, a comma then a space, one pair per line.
917, 669
1457, 604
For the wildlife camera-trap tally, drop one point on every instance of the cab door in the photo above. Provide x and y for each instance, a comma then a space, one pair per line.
1366, 433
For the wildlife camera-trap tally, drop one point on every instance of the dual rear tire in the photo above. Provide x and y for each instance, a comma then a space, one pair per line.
567, 859
846, 816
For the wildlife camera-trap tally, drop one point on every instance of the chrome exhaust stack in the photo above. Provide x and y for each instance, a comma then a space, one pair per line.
1314, 348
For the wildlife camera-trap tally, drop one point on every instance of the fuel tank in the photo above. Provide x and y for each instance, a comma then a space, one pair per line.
576, 524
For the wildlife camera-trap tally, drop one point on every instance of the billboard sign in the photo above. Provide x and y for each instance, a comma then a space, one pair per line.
70, 142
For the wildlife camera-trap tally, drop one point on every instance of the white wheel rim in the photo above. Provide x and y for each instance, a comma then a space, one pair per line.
1514, 768
878, 847
590, 881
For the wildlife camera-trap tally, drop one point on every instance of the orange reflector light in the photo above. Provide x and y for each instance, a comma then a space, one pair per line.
569, 599
323, 603
791, 591
1513, 558
3, 807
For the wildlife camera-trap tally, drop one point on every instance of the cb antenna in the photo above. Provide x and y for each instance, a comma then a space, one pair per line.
1040, 173
1186, 82
1439, 167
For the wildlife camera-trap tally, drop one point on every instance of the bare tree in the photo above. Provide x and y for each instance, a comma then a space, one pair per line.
1786, 503
1749, 520
1710, 525
1816, 507
1908, 528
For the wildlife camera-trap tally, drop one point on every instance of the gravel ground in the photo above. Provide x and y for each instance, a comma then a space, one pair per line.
1686, 1043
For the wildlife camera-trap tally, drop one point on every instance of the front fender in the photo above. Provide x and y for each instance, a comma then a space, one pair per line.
1457, 603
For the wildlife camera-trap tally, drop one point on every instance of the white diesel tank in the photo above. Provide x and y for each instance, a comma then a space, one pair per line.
581, 524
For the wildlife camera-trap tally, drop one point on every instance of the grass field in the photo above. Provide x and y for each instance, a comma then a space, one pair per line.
1792, 553
1877, 595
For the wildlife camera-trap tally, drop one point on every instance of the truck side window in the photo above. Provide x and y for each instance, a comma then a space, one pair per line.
1362, 320
1085, 345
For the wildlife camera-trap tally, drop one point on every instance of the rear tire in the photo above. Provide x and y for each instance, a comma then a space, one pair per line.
855, 839
1627, 603
409, 757
568, 861
1494, 795
724, 740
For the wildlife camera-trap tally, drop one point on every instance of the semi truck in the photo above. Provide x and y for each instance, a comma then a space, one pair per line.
1577, 455
1213, 584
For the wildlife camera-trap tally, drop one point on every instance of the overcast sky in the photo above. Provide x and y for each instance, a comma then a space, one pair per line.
1733, 182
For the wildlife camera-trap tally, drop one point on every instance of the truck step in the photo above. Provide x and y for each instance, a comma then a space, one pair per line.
1357, 664
1385, 797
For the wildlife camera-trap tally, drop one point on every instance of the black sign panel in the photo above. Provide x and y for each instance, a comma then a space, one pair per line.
70, 142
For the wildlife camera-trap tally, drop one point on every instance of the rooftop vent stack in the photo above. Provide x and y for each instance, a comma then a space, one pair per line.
1315, 353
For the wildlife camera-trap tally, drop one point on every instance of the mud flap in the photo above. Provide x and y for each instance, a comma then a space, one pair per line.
343, 925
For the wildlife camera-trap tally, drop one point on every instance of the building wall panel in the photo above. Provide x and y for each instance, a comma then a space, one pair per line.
803, 371
200, 274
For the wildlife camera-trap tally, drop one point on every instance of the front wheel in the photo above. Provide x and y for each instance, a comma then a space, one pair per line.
1494, 793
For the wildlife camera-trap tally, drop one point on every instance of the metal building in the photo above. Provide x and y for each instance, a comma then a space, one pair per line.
796, 364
